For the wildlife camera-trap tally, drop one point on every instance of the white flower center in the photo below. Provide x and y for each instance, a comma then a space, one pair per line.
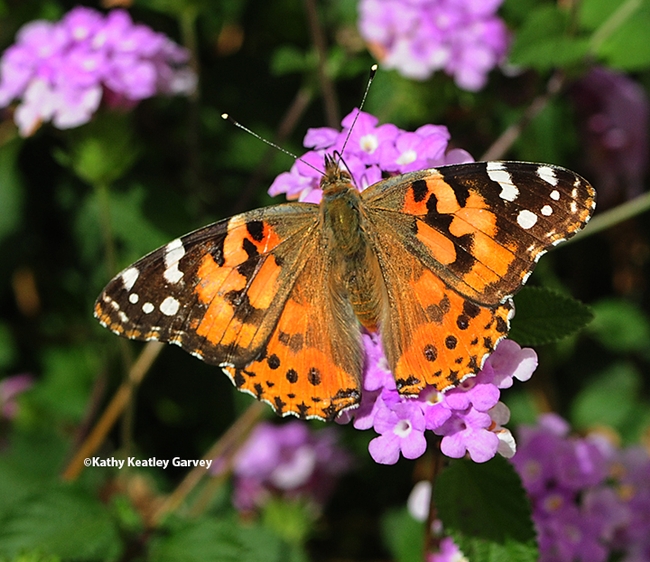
407, 157
403, 428
369, 143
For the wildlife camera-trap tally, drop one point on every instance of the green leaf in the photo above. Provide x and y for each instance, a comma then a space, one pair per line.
11, 188
612, 399
63, 521
628, 48
292, 520
542, 42
68, 375
206, 539
593, 13
485, 510
620, 326
545, 316
290, 60
103, 150
218, 540
403, 535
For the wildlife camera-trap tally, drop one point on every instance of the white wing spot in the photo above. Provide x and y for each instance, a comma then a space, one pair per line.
547, 174
148, 308
574, 207
169, 306
134, 298
574, 193
129, 277
174, 251
497, 172
123, 317
114, 304
526, 219
547, 210
555, 195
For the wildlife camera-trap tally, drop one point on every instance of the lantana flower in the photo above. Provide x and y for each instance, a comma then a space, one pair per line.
590, 499
61, 71
464, 38
290, 461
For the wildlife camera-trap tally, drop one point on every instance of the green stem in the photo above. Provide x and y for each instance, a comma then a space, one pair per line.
612, 23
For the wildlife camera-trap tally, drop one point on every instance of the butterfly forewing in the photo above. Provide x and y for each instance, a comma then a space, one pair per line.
216, 292
482, 226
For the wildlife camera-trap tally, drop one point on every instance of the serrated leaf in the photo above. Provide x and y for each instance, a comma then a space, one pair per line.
620, 326
219, 540
545, 316
403, 535
63, 521
485, 510
206, 539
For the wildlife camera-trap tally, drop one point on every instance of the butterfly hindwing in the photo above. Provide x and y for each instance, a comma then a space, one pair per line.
311, 366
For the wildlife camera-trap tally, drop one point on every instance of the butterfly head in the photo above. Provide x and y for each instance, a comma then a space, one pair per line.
336, 179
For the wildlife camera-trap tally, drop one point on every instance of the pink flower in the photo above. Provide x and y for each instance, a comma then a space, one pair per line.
61, 71
464, 38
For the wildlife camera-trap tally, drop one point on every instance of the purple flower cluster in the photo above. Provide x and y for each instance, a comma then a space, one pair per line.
590, 499
418, 37
61, 71
469, 418
290, 461
371, 152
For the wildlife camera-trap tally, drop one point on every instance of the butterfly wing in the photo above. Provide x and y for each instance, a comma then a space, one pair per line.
248, 294
454, 244
217, 292
311, 365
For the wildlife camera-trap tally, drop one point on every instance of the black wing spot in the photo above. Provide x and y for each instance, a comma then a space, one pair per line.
256, 230
420, 190
502, 326
314, 377
249, 248
462, 321
451, 342
430, 352
292, 376
273, 361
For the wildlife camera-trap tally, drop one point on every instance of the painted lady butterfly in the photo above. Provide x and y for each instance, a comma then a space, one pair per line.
277, 297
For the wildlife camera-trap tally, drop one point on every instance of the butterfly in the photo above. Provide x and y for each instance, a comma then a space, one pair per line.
278, 297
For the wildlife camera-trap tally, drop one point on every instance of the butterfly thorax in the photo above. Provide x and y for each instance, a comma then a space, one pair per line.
348, 247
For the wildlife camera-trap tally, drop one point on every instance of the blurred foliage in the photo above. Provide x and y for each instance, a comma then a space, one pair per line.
172, 165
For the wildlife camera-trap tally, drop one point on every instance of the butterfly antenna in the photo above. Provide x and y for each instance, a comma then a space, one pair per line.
270, 143
373, 71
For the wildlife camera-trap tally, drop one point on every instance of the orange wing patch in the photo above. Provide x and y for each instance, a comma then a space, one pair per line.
311, 365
